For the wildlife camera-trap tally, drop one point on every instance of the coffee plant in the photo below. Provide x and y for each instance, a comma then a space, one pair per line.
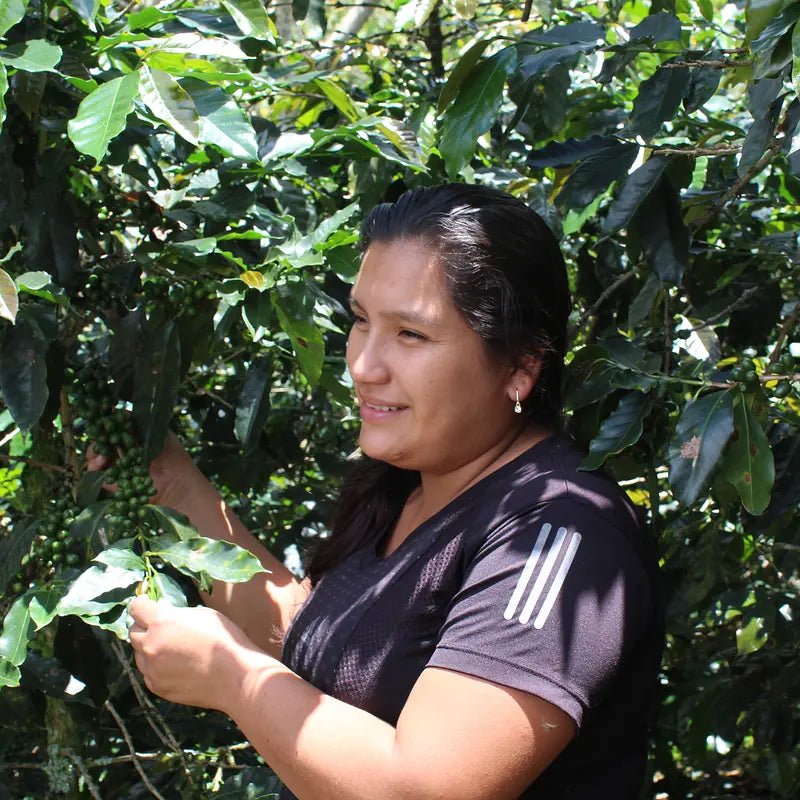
180, 189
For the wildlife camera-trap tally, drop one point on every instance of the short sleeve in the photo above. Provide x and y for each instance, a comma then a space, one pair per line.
551, 604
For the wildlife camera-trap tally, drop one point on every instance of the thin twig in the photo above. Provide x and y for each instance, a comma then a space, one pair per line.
722, 150
788, 324
604, 295
32, 462
716, 64
129, 741
87, 778
164, 732
726, 311
70, 451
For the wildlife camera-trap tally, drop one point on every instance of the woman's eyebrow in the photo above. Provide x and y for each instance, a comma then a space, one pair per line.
410, 316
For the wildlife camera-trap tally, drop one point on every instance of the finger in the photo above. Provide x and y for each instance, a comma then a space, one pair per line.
143, 610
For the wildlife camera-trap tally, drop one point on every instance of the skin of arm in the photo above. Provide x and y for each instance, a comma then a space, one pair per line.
457, 736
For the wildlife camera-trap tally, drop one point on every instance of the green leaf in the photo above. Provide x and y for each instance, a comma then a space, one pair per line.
634, 190
307, 341
660, 227
703, 83
414, 12
9, 298
123, 558
748, 463
574, 33
174, 523
170, 102
13, 547
11, 12
752, 636
23, 373
621, 429
474, 110
157, 371
251, 17
222, 123
18, 630
87, 10
253, 407
98, 590
661, 27
460, 72
700, 437
222, 561
3, 90
35, 55
169, 589
9, 674
44, 604
659, 99
89, 522
101, 115
759, 137
567, 153
340, 99
594, 174
758, 13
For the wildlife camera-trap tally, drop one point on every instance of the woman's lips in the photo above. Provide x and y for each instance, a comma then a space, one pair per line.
379, 412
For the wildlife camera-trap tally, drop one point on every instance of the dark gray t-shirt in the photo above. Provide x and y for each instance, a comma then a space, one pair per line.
540, 578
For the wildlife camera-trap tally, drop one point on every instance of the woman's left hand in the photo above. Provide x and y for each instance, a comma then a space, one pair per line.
187, 655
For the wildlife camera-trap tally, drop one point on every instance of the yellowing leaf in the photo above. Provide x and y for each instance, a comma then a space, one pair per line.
9, 300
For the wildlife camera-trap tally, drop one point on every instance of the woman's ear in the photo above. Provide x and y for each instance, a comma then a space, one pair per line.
523, 379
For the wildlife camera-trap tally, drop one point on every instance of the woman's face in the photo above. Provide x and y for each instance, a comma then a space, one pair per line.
430, 399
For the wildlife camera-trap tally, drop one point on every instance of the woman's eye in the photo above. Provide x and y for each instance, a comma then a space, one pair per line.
406, 334
357, 319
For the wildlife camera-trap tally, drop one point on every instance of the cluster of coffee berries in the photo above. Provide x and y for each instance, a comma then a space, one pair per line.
101, 290
789, 367
134, 489
746, 374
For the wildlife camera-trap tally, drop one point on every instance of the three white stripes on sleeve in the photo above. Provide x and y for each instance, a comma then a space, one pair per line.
564, 543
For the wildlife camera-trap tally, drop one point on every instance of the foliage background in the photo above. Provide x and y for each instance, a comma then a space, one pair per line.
180, 185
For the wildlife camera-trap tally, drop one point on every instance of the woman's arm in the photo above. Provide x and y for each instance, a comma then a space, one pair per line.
457, 737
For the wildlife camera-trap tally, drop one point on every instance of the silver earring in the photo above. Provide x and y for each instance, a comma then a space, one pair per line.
517, 404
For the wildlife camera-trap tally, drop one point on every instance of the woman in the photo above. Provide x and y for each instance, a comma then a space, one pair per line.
482, 622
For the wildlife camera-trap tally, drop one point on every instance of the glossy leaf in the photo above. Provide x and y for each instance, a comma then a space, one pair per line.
222, 122
658, 100
460, 72
123, 558
664, 236
18, 629
9, 674
701, 434
23, 372
44, 603
9, 298
660, 27
174, 523
90, 523
170, 102
35, 55
749, 464
595, 174
169, 589
621, 429
758, 14
307, 342
102, 114
533, 66
633, 191
251, 17
567, 153
11, 12
98, 590
13, 546
751, 637
221, 560
759, 137
254, 402
474, 110
703, 83
87, 10
573, 33
3, 90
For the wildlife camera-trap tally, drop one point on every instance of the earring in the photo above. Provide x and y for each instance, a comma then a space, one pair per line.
517, 404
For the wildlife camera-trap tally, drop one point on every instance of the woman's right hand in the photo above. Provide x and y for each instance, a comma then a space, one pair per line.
174, 475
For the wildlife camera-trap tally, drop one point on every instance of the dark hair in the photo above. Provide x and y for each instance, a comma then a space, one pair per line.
505, 273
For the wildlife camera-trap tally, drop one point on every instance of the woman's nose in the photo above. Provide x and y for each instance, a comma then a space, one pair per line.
366, 358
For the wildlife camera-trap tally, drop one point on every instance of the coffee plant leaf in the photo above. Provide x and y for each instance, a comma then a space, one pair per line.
23, 372
13, 547
173, 524
251, 17
122, 558
619, 430
703, 430
18, 630
44, 602
35, 55
222, 561
594, 174
748, 463
222, 123
659, 99
460, 72
759, 136
11, 12
307, 342
89, 524
9, 674
254, 403
9, 297
474, 109
170, 103
98, 590
3, 90
169, 589
565, 154
633, 191
102, 114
